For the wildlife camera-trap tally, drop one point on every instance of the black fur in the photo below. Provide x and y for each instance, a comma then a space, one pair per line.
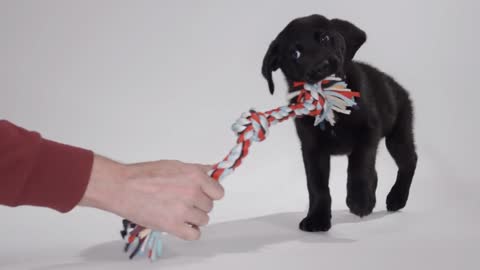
311, 48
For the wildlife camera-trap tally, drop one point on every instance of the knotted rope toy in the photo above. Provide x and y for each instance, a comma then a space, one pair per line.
320, 100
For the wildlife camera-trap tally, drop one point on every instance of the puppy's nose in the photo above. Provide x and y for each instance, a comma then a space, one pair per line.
322, 67
319, 71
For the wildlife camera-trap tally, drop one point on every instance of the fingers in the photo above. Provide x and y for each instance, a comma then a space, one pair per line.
205, 168
202, 202
212, 189
187, 232
186, 221
196, 217
173, 196
188, 229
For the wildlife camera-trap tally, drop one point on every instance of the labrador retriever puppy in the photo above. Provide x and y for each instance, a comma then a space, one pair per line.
310, 49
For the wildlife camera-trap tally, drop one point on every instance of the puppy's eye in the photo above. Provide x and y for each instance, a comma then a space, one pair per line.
296, 54
325, 38
322, 37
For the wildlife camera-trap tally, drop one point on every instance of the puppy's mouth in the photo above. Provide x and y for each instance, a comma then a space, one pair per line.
316, 80
321, 70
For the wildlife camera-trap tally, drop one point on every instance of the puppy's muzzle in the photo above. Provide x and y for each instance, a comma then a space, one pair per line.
321, 70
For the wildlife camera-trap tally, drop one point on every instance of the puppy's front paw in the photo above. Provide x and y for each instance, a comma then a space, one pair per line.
361, 203
396, 199
312, 224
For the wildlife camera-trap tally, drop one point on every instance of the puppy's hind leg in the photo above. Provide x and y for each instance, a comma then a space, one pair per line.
400, 144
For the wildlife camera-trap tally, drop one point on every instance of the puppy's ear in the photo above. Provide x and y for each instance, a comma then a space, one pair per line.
270, 64
354, 36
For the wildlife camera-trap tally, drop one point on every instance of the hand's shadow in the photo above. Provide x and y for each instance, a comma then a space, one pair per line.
239, 236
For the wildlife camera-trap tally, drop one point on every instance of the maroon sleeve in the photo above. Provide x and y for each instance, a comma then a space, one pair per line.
36, 171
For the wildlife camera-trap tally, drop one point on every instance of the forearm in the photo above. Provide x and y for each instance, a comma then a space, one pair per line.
39, 172
166, 195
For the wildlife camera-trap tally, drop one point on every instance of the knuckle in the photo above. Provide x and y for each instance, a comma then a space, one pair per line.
209, 206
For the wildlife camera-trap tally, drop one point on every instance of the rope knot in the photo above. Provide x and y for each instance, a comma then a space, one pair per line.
252, 125
324, 98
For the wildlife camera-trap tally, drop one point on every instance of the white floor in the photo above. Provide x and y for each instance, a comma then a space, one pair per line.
437, 230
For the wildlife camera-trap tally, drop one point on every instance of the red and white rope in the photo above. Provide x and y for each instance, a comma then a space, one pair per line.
320, 100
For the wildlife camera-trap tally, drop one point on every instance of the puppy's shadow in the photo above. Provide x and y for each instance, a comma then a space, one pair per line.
239, 236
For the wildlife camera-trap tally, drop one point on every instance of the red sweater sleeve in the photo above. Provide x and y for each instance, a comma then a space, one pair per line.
39, 172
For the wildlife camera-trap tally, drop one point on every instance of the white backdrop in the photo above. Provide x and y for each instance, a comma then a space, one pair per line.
143, 80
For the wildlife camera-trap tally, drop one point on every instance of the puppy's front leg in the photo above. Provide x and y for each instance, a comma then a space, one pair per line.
317, 167
362, 180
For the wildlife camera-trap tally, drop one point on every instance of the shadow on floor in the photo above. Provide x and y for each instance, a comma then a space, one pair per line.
239, 236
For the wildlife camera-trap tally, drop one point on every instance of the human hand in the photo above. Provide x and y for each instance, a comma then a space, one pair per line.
165, 195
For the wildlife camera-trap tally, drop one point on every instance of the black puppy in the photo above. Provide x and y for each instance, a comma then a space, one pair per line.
311, 48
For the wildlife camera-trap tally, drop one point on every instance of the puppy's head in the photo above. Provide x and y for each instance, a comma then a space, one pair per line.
311, 48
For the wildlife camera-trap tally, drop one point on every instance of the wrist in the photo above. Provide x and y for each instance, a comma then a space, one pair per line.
103, 187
